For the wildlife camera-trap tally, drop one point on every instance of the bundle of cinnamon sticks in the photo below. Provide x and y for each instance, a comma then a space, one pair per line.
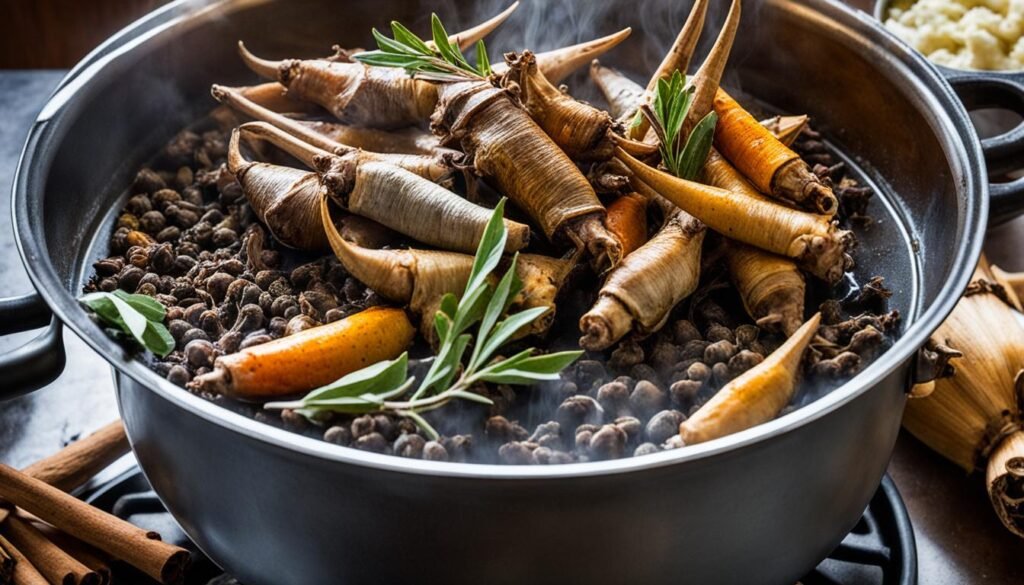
50, 537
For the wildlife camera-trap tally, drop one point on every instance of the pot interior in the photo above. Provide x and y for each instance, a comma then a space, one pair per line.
790, 55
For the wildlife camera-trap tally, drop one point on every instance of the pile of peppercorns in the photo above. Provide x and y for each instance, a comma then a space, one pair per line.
188, 238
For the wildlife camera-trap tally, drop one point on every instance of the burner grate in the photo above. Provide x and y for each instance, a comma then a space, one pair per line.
880, 550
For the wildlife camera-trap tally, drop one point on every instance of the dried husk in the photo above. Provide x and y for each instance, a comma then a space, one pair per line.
756, 396
542, 278
286, 200
639, 293
622, 93
973, 418
377, 97
332, 136
815, 241
771, 287
786, 128
510, 150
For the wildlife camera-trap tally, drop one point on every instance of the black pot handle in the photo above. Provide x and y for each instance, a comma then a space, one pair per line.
38, 362
1003, 153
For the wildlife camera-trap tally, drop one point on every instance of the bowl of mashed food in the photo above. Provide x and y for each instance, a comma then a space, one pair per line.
961, 34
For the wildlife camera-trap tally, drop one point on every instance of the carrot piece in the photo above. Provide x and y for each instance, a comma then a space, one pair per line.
627, 219
769, 164
306, 360
756, 396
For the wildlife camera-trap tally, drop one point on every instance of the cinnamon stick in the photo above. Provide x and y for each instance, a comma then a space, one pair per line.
74, 465
54, 564
6, 567
97, 561
137, 547
24, 573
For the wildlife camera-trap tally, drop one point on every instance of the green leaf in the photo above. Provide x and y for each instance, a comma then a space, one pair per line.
150, 308
104, 308
550, 363
471, 308
458, 350
496, 306
517, 377
483, 63
392, 46
158, 339
449, 304
382, 59
638, 119
383, 376
407, 37
698, 145
507, 328
442, 324
488, 252
441, 40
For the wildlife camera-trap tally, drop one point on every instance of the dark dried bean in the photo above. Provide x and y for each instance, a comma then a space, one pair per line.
209, 321
608, 443
614, 398
645, 372
647, 399
255, 339
179, 375
224, 237
138, 205
161, 258
385, 426
250, 318
147, 289
200, 352
684, 331
685, 393
516, 453
193, 312
277, 326
694, 349
373, 442
719, 351
363, 425
109, 266
178, 328
743, 361
108, 284
339, 435
230, 342
183, 264
434, 451
665, 356
168, 234
588, 372
746, 334
577, 410
299, 323
718, 332
409, 445
148, 180
630, 425
626, 355
165, 197
645, 449
664, 426
721, 374
174, 313
128, 220
151, 222
698, 371
281, 304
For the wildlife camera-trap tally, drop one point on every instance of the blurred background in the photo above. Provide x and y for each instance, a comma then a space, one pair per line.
56, 34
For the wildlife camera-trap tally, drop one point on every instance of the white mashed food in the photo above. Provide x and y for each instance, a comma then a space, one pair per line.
966, 34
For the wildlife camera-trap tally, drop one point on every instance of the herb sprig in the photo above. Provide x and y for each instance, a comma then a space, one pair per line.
383, 387
441, 61
683, 156
138, 316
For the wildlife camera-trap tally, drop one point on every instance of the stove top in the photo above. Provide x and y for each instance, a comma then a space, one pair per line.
879, 550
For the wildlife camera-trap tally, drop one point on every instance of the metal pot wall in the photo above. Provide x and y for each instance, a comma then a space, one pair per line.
273, 507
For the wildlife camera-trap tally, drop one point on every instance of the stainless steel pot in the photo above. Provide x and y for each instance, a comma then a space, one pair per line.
761, 506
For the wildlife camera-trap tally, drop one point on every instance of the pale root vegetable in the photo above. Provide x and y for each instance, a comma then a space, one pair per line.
512, 152
581, 130
639, 293
973, 417
469, 37
627, 219
331, 136
542, 278
558, 64
771, 287
769, 164
814, 241
284, 199
622, 93
377, 97
677, 59
387, 194
756, 396
311, 358
709, 75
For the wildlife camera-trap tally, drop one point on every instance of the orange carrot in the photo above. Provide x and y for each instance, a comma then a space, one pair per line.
627, 219
769, 164
306, 360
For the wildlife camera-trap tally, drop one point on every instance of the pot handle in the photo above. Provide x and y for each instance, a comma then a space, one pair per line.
39, 361
1003, 153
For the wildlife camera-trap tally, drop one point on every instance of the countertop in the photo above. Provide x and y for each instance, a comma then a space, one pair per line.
959, 540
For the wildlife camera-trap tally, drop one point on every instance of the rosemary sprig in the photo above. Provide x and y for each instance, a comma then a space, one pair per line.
135, 315
683, 156
441, 62
384, 386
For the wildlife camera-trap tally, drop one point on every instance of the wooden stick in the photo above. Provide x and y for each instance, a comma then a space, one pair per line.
24, 573
96, 560
78, 462
6, 567
54, 564
139, 548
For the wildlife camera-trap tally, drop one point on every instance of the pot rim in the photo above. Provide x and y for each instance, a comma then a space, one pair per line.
950, 123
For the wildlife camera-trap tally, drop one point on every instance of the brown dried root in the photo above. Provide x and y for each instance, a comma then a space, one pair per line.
1004, 476
786, 128
771, 287
581, 130
469, 37
396, 198
756, 396
335, 137
639, 294
377, 97
509, 149
709, 76
558, 64
622, 93
542, 279
815, 241
284, 199
769, 164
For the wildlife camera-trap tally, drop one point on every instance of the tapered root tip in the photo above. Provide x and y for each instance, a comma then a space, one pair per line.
218, 381
262, 67
558, 64
467, 38
597, 334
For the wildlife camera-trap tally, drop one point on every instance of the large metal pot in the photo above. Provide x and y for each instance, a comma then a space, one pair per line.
761, 506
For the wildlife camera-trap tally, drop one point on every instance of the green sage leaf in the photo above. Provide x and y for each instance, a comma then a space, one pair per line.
698, 145
488, 251
382, 376
483, 63
410, 39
